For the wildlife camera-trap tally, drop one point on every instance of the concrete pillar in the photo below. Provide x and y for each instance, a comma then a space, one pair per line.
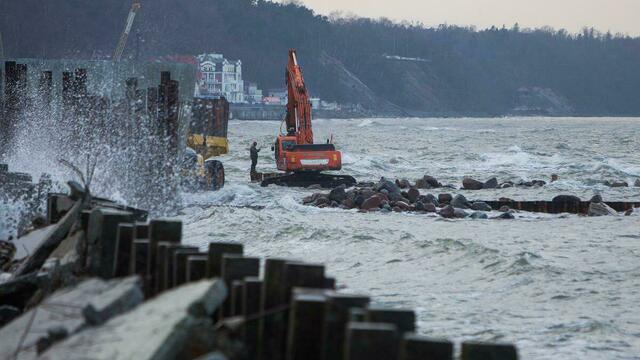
416, 347
272, 326
366, 341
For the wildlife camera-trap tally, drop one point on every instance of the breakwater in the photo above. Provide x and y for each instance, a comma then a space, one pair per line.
120, 277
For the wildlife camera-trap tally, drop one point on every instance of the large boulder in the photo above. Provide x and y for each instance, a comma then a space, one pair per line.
428, 182
479, 215
413, 194
397, 197
461, 202
505, 216
601, 209
596, 199
403, 183
388, 185
447, 212
469, 183
338, 194
403, 206
481, 206
373, 202
429, 199
459, 213
490, 184
445, 198
572, 199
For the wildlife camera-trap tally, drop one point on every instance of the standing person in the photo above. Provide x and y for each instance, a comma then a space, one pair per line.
254, 156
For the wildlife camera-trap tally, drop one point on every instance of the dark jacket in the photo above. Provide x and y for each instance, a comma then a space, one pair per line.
254, 153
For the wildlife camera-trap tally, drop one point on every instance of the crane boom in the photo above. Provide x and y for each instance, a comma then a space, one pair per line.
298, 106
135, 6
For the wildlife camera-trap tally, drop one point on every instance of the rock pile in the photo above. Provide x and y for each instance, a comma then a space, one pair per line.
399, 196
469, 183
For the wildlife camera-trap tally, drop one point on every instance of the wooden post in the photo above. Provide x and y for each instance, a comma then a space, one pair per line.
415, 347
304, 341
139, 259
123, 250
251, 300
405, 320
169, 264
216, 251
335, 322
180, 264
196, 267
236, 267
481, 351
366, 341
165, 231
237, 290
141, 231
272, 327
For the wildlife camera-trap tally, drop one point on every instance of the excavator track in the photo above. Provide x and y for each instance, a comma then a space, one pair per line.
307, 179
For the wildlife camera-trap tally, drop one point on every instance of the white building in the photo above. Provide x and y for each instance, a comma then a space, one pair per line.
221, 77
254, 95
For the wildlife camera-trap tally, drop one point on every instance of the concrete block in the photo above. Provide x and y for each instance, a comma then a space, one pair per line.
366, 341
63, 309
123, 296
485, 351
416, 347
161, 329
216, 251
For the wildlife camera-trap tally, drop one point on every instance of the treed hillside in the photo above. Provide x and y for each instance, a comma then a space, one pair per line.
381, 65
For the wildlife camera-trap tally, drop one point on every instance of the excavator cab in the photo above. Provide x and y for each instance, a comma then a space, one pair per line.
291, 157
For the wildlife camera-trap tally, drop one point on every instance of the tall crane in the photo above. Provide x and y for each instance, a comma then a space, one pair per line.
295, 152
135, 6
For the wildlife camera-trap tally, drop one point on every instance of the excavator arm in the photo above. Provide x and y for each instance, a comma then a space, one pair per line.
298, 116
122, 43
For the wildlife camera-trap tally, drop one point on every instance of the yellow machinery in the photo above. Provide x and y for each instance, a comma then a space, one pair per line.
207, 140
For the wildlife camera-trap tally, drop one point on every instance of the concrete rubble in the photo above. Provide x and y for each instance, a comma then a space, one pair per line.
162, 328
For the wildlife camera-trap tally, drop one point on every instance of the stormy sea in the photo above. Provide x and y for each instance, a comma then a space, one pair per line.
559, 286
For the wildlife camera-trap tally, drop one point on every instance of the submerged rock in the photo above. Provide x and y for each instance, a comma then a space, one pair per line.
403, 184
481, 206
566, 198
461, 202
373, 202
447, 212
505, 216
388, 185
637, 183
429, 199
428, 182
430, 208
478, 215
596, 199
616, 184
338, 194
505, 209
490, 184
459, 213
413, 194
469, 183
601, 209
445, 198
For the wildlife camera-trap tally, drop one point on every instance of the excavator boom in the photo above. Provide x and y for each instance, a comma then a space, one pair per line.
122, 43
298, 105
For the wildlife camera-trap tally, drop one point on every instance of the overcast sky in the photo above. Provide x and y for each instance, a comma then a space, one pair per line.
614, 15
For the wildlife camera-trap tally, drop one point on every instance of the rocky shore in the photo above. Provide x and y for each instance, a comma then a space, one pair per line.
402, 196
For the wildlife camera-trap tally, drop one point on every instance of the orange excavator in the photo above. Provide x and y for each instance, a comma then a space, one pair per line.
296, 154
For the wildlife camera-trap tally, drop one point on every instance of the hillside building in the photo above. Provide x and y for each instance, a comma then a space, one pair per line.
221, 77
